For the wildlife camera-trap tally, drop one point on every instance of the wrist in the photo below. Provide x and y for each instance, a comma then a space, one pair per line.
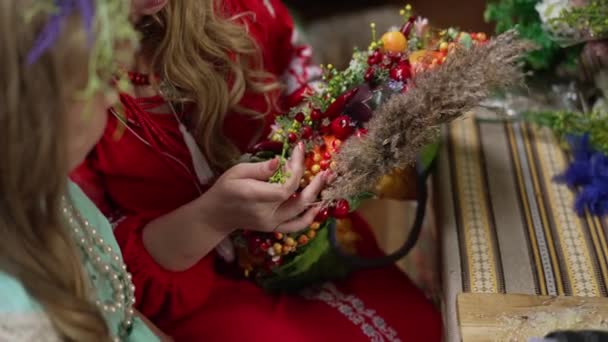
209, 217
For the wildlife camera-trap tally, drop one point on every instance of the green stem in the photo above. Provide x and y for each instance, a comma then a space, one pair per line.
280, 176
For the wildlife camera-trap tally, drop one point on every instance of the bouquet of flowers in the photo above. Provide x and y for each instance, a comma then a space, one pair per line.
583, 130
363, 122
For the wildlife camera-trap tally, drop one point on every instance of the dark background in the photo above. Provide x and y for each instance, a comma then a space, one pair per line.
466, 14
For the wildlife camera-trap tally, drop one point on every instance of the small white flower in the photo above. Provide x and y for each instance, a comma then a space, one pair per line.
560, 32
421, 25
551, 9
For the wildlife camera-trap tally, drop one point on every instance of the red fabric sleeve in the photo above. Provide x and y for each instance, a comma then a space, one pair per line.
160, 293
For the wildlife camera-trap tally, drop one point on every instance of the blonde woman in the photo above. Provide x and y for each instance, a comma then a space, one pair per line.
206, 84
61, 274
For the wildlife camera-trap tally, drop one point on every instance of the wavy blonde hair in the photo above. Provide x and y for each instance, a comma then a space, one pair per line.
35, 246
211, 60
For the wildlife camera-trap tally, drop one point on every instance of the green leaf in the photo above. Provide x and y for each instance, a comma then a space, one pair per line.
310, 255
355, 202
521, 14
314, 264
565, 123
428, 154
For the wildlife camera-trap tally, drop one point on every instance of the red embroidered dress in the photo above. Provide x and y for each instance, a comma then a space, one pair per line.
137, 182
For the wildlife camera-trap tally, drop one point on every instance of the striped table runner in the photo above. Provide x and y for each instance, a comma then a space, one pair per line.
505, 226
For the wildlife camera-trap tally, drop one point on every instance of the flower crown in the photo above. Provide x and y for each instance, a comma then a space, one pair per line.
106, 23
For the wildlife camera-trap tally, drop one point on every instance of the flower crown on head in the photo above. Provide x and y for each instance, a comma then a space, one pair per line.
106, 23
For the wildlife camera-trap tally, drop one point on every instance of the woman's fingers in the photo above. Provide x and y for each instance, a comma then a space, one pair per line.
299, 223
296, 168
260, 191
259, 171
298, 204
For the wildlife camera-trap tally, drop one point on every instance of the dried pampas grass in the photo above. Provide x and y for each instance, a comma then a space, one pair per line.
407, 122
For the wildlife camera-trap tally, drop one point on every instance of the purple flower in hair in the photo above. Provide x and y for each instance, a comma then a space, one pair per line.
50, 33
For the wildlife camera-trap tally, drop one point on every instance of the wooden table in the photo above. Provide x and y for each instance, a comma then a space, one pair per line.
505, 226
508, 317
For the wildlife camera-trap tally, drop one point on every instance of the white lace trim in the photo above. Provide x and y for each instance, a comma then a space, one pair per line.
353, 308
25, 327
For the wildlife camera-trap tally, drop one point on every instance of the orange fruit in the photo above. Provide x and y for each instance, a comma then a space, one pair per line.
394, 41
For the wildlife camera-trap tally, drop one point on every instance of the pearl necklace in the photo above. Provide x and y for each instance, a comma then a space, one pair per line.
97, 251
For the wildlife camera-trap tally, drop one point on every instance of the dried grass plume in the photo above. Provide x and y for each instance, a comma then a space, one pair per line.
407, 122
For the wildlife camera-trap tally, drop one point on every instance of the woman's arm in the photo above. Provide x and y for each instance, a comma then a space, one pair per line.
179, 239
241, 199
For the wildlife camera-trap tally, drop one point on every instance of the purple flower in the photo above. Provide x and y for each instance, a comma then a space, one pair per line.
395, 86
50, 33
579, 171
359, 108
599, 167
589, 172
593, 197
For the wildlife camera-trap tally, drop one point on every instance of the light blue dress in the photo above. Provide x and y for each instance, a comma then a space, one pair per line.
22, 318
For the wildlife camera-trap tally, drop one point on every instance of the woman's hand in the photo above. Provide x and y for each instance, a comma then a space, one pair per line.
242, 198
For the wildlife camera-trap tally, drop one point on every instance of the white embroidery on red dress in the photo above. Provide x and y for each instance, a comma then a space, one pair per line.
353, 308
301, 71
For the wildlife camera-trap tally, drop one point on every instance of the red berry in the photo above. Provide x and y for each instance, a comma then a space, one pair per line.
401, 72
341, 209
324, 164
361, 132
292, 137
369, 75
326, 129
375, 58
300, 117
316, 115
326, 155
306, 132
396, 58
342, 127
264, 246
322, 215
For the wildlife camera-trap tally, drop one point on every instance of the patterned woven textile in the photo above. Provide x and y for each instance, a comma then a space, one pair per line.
504, 225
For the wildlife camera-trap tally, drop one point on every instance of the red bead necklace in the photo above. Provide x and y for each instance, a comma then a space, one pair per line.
139, 79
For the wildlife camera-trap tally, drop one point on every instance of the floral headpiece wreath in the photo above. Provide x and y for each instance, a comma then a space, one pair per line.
106, 23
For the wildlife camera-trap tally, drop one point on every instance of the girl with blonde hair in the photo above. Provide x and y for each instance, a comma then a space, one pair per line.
208, 81
61, 273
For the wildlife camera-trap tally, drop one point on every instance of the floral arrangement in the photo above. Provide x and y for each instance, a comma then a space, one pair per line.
106, 24
572, 22
364, 122
530, 18
585, 133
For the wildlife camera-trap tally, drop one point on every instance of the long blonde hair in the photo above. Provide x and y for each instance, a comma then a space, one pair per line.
35, 247
211, 59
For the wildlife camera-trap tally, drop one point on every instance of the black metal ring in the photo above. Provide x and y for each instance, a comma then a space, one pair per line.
422, 174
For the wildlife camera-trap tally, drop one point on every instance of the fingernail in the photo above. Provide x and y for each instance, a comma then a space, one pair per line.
301, 145
325, 175
274, 164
